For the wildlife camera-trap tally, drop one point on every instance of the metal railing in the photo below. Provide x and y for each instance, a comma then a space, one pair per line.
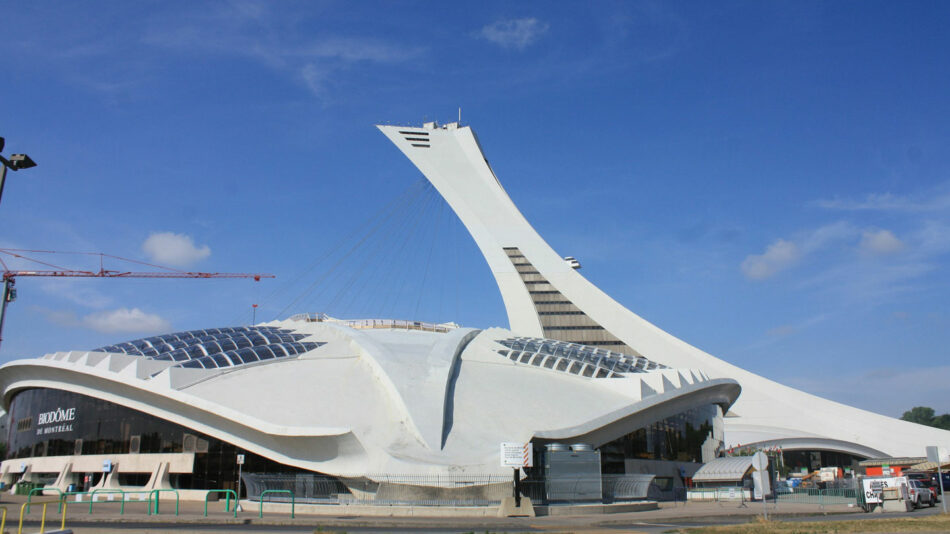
359, 324
780, 494
816, 496
24, 510
309, 488
265, 492
450, 490
657, 492
227, 505
29, 498
720, 494
157, 493
107, 491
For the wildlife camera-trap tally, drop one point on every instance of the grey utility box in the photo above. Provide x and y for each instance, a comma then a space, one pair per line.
572, 473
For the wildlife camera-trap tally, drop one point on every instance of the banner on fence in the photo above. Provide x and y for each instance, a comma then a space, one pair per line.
874, 487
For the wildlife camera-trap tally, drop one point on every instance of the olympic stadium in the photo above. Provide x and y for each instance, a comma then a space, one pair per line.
372, 406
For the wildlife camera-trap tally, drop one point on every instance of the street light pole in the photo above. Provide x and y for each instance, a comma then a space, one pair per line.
16, 162
7, 295
3, 177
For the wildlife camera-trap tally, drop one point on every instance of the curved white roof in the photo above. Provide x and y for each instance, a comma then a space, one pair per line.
376, 398
728, 469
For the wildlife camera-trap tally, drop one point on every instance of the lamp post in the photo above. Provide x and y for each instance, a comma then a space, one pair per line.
15, 163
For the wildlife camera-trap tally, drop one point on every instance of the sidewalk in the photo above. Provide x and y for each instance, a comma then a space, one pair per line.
192, 514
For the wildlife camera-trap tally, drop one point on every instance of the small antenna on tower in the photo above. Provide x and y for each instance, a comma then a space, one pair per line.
460, 115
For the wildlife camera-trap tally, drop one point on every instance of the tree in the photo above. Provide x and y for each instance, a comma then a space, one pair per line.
942, 421
923, 415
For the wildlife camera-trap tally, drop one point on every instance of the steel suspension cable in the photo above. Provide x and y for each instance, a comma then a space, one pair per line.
425, 272
383, 215
357, 274
402, 282
335, 271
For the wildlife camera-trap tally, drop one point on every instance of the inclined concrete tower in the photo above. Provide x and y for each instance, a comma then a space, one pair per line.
546, 297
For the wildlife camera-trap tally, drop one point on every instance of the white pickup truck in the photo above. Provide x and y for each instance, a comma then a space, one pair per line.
920, 494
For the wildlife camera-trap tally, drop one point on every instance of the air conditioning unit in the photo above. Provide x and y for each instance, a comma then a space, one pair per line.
135, 443
202, 446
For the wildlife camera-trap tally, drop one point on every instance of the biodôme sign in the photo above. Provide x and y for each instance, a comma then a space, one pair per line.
52, 417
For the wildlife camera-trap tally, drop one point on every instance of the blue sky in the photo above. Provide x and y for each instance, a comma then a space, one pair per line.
766, 180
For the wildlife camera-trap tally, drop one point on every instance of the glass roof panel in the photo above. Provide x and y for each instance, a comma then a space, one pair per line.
212, 348
595, 357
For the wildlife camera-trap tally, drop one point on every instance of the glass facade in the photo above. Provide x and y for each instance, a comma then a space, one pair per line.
812, 460
678, 438
50, 422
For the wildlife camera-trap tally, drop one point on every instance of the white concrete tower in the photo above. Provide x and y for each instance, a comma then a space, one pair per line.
545, 296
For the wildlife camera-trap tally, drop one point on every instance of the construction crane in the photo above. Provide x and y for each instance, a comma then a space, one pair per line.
10, 275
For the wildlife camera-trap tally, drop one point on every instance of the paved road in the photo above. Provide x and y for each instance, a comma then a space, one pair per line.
107, 520
596, 524
656, 527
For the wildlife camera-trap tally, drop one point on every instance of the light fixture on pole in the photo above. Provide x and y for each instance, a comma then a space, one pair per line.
15, 163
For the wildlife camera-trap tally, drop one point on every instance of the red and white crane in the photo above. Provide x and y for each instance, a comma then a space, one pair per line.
51, 270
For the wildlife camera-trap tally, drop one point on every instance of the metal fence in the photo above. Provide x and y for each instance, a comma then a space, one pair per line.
661, 493
306, 487
781, 494
816, 496
448, 490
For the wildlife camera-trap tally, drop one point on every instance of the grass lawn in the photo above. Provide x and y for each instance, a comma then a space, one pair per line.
933, 523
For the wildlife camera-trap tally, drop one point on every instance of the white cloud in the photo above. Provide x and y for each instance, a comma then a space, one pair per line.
514, 33
266, 35
937, 201
778, 256
77, 291
352, 49
314, 77
881, 242
826, 235
61, 318
932, 239
174, 249
790, 329
782, 253
125, 320
113, 321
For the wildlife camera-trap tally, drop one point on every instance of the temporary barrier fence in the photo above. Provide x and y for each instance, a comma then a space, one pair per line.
24, 509
817, 496
781, 494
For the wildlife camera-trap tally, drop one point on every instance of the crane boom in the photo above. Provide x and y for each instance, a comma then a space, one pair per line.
8, 292
130, 274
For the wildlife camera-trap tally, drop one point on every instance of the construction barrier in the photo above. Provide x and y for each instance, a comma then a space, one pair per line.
23, 510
